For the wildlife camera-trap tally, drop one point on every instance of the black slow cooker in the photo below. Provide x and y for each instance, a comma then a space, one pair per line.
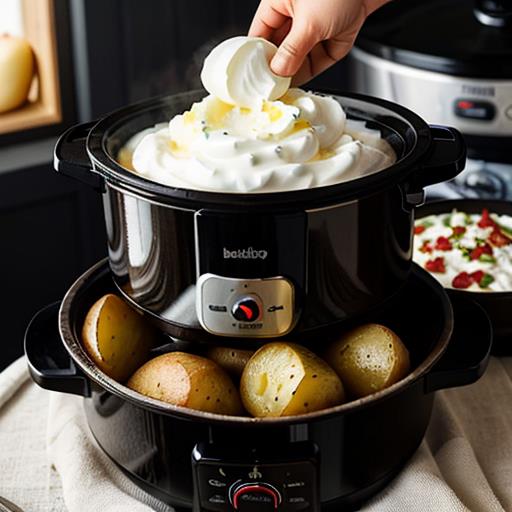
228, 268
326, 460
250, 266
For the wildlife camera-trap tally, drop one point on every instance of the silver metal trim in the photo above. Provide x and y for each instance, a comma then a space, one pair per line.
432, 94
239, 288
133, 193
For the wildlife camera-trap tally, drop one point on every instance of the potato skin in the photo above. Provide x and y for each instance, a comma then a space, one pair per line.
369, 358
285, 379
189, 381
233, 360
116, 337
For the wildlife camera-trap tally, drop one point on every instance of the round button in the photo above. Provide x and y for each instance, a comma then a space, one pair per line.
255, 496
246, 309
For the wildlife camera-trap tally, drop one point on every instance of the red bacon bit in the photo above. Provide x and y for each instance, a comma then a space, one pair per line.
458, 230
462, 281
498, 239
419, 229
426, 247
486, 221
478, 251
465, 280
477, 276
443, 244
436, 265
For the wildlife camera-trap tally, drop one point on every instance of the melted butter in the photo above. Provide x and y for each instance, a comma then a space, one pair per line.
124, 158
323, 154
177, 150
300, 125
216, 112
274, 113
189, 117
287, 99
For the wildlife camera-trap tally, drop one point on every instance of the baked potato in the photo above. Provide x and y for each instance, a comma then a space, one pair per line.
284, 379
188, 380
116, 337
368, 358
233, 360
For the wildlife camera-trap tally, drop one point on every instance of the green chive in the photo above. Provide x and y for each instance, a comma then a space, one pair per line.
487, 258
505, 230
486, 281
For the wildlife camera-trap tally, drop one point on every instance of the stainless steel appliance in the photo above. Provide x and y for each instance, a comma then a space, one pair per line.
451, 62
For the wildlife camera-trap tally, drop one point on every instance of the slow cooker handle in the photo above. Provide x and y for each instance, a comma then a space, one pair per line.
49, 364
446, 159
468, 353
71, 159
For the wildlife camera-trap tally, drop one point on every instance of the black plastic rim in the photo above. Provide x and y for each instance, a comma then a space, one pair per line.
70, 338
464, 45
312, 198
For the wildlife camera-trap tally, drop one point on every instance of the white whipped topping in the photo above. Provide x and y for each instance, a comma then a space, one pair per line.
237, 71
298, 141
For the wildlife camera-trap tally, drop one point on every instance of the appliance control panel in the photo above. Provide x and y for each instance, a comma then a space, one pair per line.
254, 485
475, 106
256, 308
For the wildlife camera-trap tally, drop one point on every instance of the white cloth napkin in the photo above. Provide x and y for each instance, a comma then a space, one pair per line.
464, 463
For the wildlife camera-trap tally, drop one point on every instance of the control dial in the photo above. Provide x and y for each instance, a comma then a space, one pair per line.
247, 309
255, 496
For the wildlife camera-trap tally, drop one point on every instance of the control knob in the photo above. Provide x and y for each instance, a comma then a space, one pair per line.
256, 496
247, 309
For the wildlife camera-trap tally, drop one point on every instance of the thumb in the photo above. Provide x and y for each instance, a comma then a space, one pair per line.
293, 50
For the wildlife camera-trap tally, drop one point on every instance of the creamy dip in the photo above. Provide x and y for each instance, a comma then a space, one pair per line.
466, 251
254, 134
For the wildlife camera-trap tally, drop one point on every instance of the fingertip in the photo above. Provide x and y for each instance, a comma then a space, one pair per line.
284, 65
293, 50
259, 29
279, 64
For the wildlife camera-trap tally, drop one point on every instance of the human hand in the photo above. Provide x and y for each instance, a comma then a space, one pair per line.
312, 35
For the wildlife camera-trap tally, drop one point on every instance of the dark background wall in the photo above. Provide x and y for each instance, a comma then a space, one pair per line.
111, 53
125, 51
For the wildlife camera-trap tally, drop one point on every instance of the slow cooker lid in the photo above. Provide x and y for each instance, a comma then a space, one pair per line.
455, 37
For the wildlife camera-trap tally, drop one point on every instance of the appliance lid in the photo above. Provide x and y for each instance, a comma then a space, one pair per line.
455, 37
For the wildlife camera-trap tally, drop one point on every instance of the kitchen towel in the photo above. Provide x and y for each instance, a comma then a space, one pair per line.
464, 463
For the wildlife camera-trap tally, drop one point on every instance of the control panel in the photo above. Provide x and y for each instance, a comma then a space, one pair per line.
257, 308
255, 485
474, 109
475, 106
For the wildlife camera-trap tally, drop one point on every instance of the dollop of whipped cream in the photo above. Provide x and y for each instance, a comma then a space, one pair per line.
252, 134
237, 72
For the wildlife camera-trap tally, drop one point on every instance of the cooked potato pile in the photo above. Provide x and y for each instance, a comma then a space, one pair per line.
283, 379
116, 337
188, 380
368, 358
279, 379
233, 360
